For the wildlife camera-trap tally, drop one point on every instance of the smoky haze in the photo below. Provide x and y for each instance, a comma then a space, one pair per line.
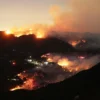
72, 22
78, 16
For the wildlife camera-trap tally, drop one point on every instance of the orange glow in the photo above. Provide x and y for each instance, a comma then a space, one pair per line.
40, 34
73, 66
28, 84
21, 76
16, 88
14, 63
63, 62
8, 32
81, 57
74, 43
50, 60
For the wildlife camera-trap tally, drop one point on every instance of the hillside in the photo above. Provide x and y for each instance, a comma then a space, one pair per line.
83, 86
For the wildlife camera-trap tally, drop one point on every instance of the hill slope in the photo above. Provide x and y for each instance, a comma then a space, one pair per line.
83, 86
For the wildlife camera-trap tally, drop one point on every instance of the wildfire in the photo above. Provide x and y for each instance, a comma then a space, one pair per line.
28, 84
16, 88
8, 32
50, 60
35, 79
40, 34
66, 64
63, 62
74, 43
13, 63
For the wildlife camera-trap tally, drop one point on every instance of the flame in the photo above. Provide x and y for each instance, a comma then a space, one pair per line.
40, 34
38, 30
50, 60
28, 84
74, 43
8, 32
13, 63
16, 88
33, 80
66, 64
63, 62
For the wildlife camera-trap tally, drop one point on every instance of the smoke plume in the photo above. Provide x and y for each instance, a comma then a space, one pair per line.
78, 16
74, 23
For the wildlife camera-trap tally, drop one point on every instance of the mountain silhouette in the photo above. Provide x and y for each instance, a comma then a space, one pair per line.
29, 43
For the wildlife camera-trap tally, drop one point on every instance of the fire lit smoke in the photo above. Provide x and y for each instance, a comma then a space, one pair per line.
77, 16
71, 23
54, 69
74, 63
39, 31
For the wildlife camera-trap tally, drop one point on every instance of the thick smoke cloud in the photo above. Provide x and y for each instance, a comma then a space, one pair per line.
78, 16
87, 15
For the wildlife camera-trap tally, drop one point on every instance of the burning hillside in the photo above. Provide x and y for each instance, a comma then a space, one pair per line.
54, 68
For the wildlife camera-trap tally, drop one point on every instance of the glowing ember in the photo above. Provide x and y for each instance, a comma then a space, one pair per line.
74, 43
81, 57
28, 84
63, 62
8, 32
50, 60
21, 76
16, 88
40, 34
13, 63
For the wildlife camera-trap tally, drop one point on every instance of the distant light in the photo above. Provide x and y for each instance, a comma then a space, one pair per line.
8, 32
29, 60
14, 79
81, 57
30, 56
16, 88
24, 71
14, 50
46, 63
40, 34
14, 63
